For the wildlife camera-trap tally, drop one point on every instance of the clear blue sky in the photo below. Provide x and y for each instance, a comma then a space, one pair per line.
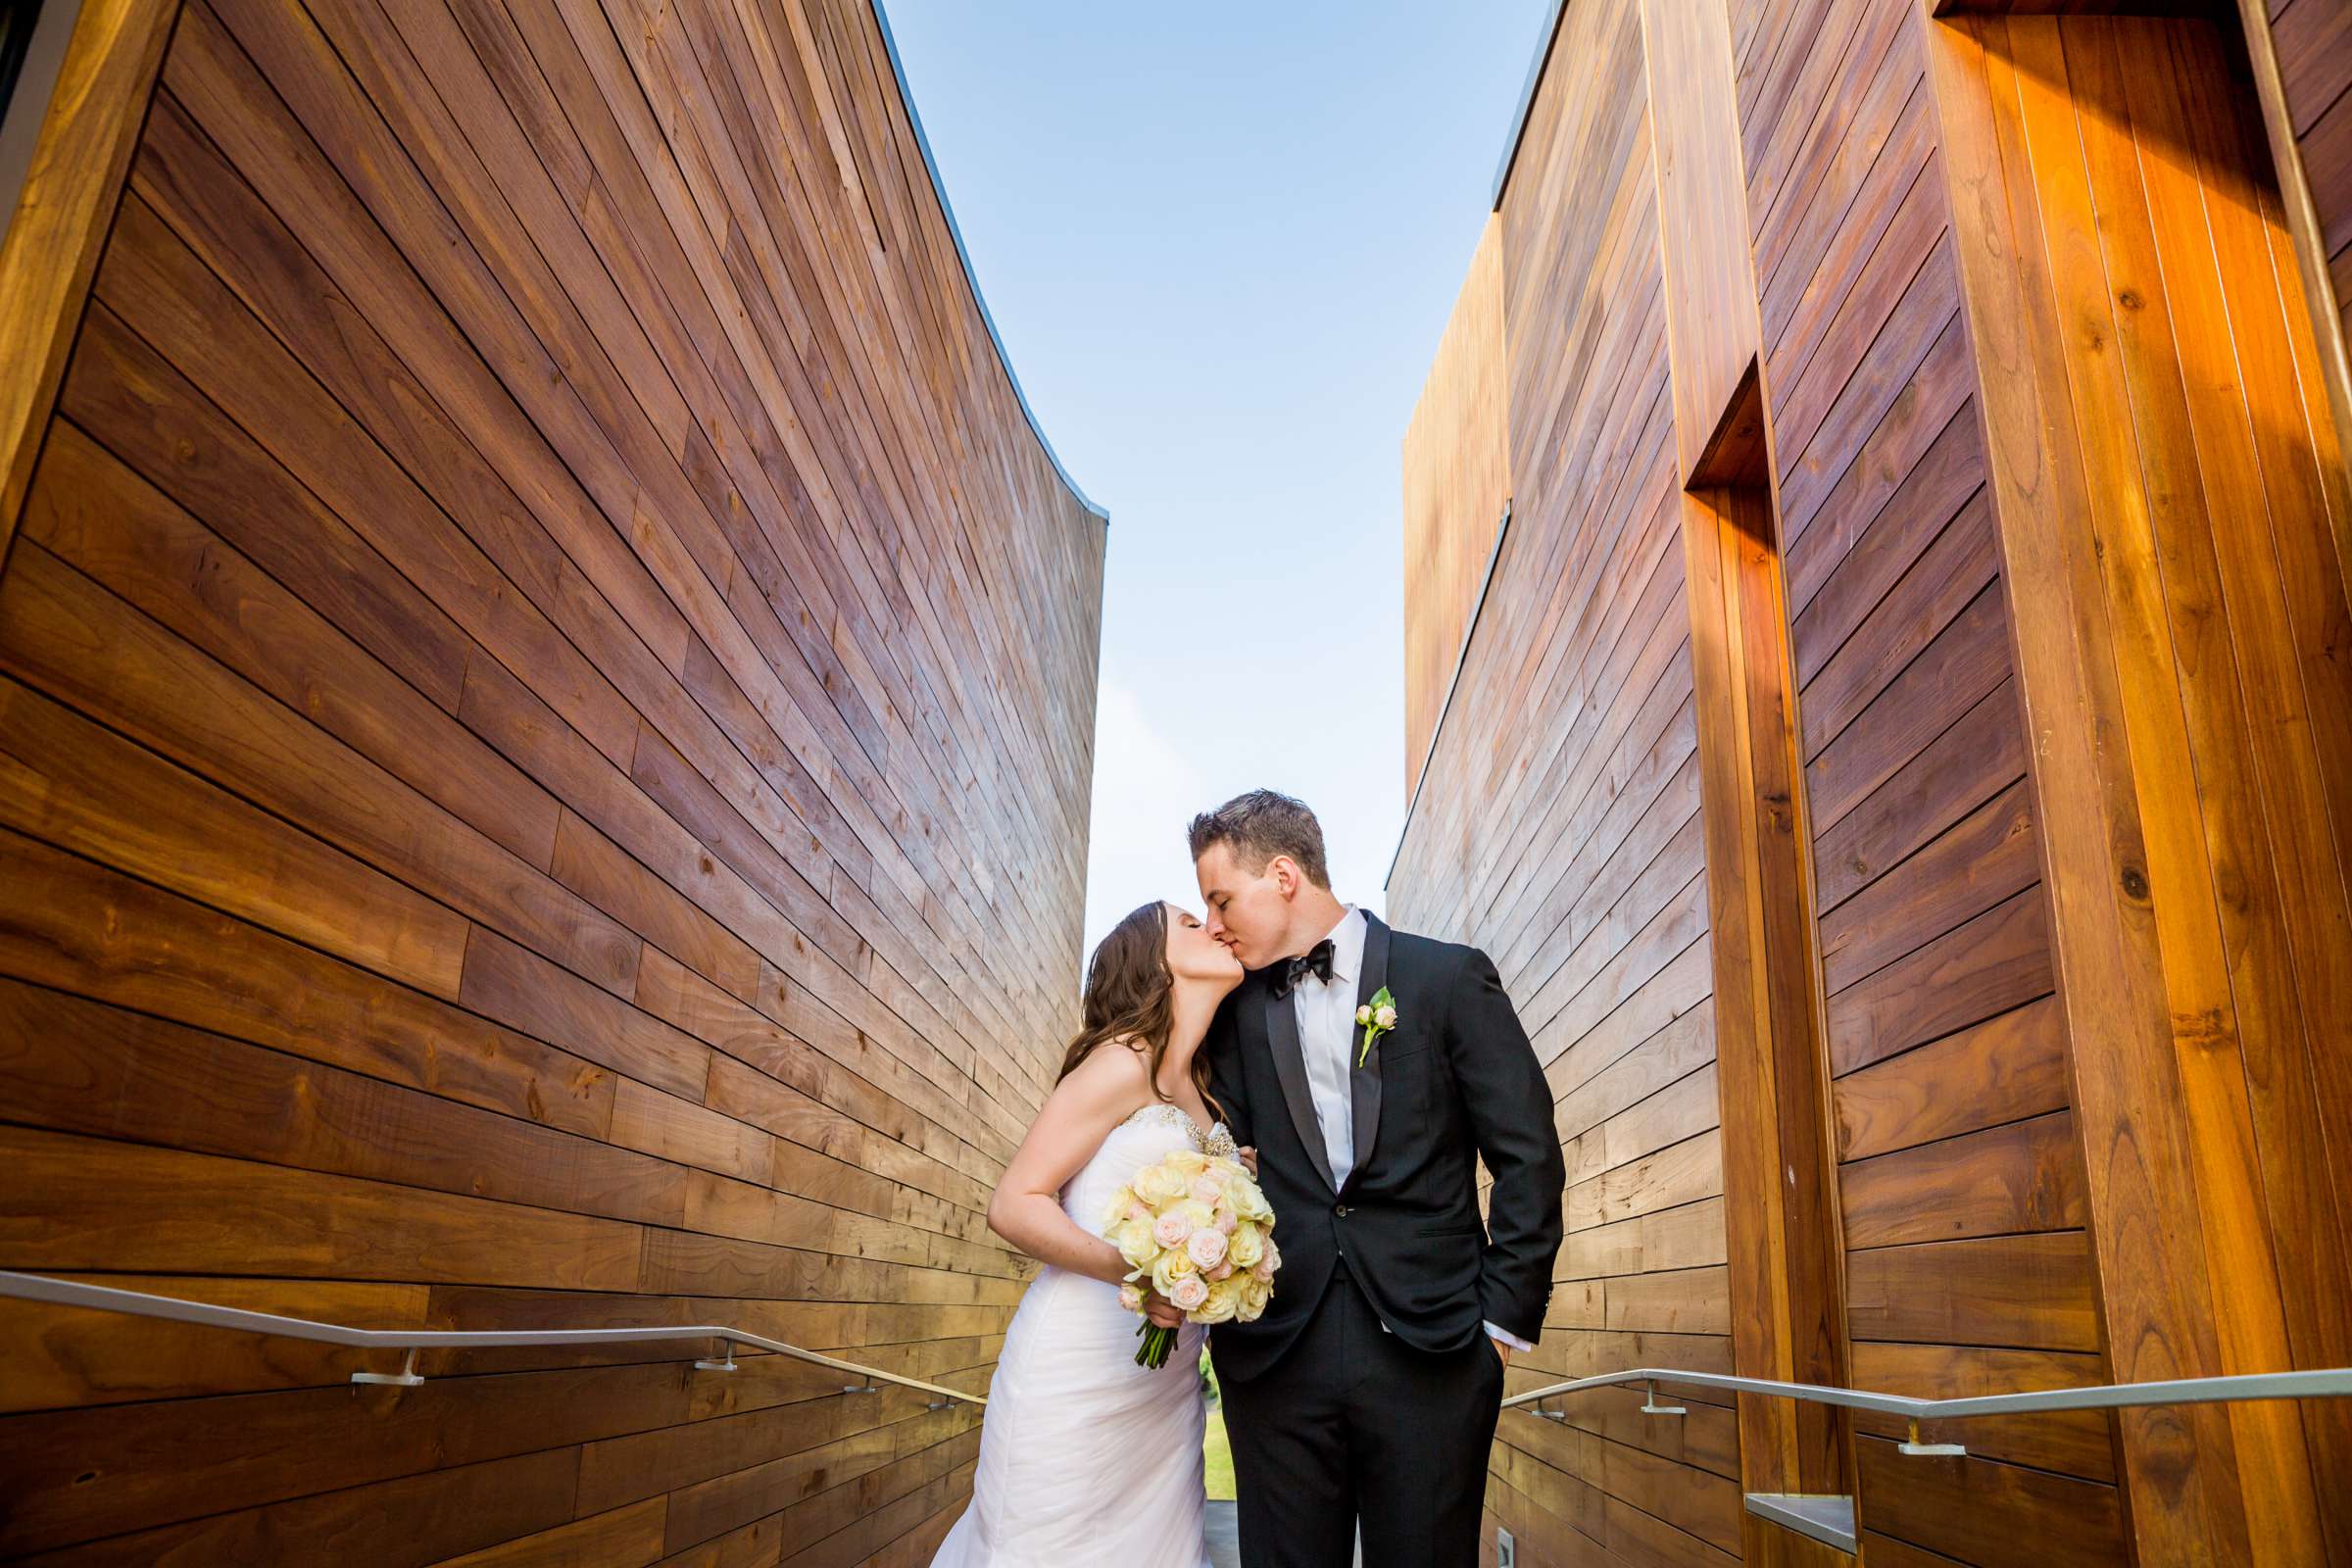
1220, 242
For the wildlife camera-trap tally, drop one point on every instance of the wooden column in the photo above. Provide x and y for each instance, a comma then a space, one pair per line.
1782, 1235
2166, 486
1783, 1232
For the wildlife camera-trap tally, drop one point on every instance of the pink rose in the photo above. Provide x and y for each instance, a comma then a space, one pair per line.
1191, 1290
1138, 1211
1131, 1296
1207, 1189
1206, 1246
1262, 1269
1222, 1272
1170, 1229
1228, 1222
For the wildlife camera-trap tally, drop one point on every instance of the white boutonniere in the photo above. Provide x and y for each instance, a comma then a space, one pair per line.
1378, 1016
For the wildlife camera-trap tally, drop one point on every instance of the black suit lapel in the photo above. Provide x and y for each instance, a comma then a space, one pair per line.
1363, 1083
1290, 1066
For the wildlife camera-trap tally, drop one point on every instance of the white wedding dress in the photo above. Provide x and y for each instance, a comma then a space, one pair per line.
1085, 1457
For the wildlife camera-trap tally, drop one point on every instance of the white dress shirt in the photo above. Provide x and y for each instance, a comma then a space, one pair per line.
1327, 1039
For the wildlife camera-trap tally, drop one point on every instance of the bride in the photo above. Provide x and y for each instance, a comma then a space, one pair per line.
1084, 1455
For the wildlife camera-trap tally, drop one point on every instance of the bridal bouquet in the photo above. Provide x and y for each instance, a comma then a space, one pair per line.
1198, 1230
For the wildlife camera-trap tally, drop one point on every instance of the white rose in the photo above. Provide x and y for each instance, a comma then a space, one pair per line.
1134, 1240
1222, 1305
1206, 1246
1168, 1269
1155, 1184
1364, 1015
1246, 1246
1386, 1018
1254, 1295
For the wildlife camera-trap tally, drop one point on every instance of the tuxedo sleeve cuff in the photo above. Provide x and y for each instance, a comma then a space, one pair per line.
1508, 1338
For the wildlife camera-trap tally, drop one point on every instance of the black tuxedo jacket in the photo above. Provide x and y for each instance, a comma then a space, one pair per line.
1455, 1081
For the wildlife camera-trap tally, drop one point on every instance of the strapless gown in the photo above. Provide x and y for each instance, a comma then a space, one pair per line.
1085, 1457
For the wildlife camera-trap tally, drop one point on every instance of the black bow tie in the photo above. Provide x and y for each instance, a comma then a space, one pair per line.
1316, 960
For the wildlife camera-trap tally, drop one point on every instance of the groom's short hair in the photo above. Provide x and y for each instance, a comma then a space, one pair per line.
1260, 825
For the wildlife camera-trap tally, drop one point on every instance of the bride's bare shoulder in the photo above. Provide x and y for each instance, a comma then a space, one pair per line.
1121, 1059
1117, 1074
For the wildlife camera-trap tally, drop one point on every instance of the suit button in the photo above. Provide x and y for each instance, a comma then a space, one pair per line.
1340, 1210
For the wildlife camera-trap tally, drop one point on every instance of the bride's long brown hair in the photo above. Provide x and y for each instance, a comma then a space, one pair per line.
1131, 994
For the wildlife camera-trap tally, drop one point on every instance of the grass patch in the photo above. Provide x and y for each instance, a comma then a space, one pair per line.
1216, 1450
1219, 1455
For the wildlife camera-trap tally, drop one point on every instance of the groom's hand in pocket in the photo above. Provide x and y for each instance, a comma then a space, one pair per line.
1500, 1350
1162, 1312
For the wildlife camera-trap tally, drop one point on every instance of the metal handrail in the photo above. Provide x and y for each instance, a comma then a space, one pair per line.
2322, 1383
139, 1303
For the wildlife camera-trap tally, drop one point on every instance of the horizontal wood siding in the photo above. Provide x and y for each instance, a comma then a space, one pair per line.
546, 698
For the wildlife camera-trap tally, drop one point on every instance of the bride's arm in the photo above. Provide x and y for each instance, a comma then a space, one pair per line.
1026, 1209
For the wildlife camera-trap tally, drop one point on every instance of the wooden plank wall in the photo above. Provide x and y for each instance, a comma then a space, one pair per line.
1560, 829
546, 710
1567, 839
2023, 462
2166, 466
1968, 1267
1457, 479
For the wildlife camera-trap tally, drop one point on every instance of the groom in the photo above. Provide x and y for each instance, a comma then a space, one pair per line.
1369, 1390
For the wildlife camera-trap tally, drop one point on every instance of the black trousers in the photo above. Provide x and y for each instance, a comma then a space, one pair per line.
1351, 1422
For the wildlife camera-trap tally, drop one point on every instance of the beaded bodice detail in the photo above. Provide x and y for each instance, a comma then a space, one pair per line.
1218, 1145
